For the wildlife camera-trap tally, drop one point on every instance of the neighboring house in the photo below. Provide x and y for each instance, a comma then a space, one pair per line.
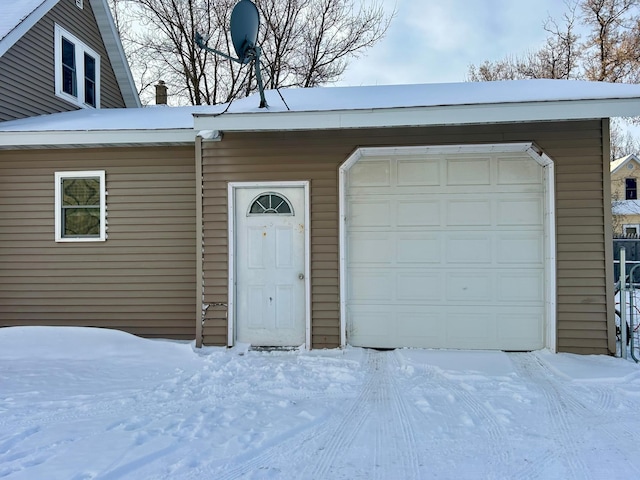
61, 55
472, 215
625, 179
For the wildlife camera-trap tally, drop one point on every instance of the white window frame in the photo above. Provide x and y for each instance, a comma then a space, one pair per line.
59, 177
80, 49
631, 225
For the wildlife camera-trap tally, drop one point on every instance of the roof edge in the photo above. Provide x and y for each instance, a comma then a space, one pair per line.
617, 164
19, 140
25, 25
116, 54
421, 116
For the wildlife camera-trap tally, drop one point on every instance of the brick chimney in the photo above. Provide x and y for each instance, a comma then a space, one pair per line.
161, 93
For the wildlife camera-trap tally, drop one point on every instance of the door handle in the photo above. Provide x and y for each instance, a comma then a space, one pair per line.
301, 276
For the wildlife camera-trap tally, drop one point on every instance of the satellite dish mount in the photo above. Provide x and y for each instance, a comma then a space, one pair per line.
245, 21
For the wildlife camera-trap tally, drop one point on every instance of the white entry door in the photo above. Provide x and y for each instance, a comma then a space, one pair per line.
270, 266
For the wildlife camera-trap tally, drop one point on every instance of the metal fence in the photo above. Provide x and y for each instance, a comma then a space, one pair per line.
631, 243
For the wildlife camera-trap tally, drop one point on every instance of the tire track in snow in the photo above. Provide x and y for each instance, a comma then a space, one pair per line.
481, 415
290, 441
606, 425
404, 422
342, 433
559, 410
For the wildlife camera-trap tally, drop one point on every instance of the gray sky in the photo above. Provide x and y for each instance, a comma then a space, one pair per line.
433, 41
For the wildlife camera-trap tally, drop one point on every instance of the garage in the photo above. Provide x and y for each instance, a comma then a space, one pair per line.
445, 248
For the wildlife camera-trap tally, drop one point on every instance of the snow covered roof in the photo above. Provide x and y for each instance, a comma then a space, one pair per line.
617, 164
625, 207
428, 104
19, 16
148, 125
337, 107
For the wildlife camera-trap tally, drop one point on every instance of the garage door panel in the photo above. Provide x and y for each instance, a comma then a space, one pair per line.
471, 212
466, 328
370, 213
417, 213
418, 172
368, 285
418, 249
370, 327
468, 248
520, 287
520, 331
515, 248
468, 171
469, 287
370, 248
372, 174
419, 287
416, 329
518, 171
516, 212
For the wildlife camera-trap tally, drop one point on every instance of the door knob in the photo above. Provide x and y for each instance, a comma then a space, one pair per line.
301, 276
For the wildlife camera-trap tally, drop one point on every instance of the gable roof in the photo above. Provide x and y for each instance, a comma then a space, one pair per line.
620, 162
334, 107
19, 17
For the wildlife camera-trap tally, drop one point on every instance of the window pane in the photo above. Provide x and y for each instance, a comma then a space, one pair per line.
631, 192
270, 203
89, 67
81, 222
81, 191
89, 80
69, 82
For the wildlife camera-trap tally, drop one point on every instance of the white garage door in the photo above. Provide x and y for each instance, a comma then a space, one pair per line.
445, 252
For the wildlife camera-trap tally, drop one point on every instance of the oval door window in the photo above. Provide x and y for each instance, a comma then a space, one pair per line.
270, 203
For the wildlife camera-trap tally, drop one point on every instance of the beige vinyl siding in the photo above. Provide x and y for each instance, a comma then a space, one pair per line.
141, 279
27, 72
576, 148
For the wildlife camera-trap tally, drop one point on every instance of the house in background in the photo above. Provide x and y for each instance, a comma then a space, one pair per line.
625, 205
471, 215
61, 55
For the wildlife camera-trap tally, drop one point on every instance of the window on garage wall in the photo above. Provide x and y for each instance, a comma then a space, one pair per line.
80, 206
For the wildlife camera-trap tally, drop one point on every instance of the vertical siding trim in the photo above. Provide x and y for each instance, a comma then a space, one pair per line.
199, 243
551, 262
608, 236
342, 242
231, 249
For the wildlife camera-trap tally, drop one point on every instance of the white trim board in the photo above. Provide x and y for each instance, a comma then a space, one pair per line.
421, 116
231, 299
549, 216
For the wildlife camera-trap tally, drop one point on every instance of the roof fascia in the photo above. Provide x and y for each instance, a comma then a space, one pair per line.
421, 116
115, 51
19, 140
23, 27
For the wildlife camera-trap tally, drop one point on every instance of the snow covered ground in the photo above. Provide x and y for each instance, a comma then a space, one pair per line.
97, 404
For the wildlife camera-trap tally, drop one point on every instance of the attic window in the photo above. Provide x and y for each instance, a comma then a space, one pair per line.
630, 189
270, 203
77, 74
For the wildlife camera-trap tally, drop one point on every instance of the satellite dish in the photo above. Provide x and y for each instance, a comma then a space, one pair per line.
245, 21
